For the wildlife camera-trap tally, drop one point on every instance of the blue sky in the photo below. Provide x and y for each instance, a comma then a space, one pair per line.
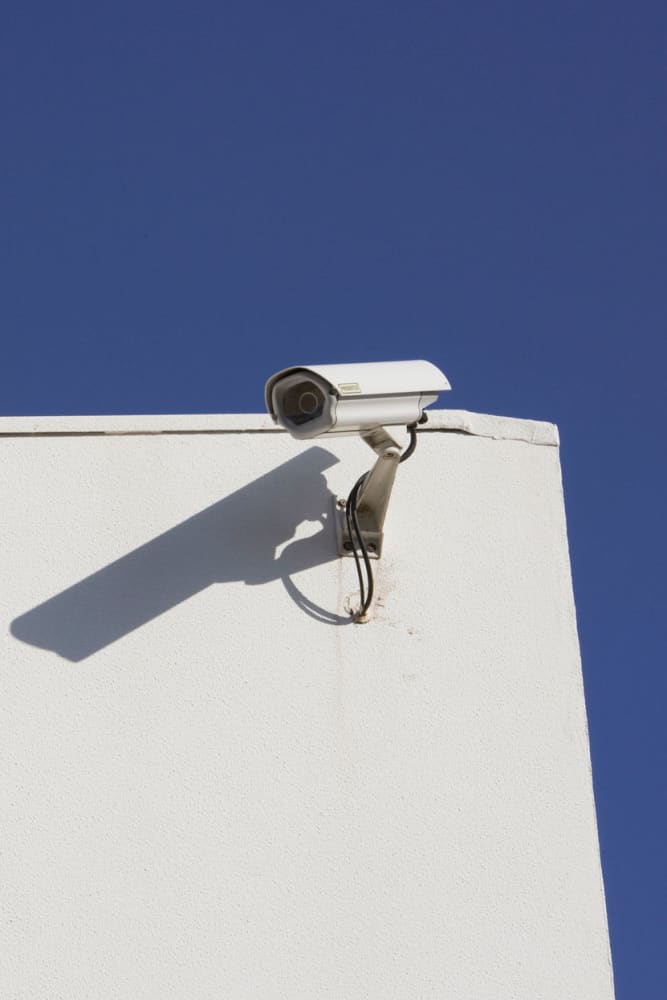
193, 196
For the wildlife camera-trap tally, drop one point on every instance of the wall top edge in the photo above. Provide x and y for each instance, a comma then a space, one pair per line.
456, 421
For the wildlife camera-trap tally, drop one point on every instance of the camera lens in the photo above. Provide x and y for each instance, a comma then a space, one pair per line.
303, 402
308, 402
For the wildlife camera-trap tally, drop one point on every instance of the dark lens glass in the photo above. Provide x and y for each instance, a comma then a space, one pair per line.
302, 402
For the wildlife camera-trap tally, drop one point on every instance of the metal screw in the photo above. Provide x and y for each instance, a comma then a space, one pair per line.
348, 546
371, 547
342, 503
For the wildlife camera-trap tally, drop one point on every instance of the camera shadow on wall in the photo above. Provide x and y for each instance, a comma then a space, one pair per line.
234, 539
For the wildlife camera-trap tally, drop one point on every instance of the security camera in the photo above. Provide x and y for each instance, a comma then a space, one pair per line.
348, 399
358, 399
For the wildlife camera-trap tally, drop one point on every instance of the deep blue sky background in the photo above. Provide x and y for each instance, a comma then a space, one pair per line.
195, 195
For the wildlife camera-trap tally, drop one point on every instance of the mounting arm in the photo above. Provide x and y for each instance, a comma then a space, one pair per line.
373, 497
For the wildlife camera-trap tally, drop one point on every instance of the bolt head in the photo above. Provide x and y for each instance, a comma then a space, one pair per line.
348, 546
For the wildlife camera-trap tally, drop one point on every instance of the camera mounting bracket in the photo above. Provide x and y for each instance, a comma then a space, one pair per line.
374, 496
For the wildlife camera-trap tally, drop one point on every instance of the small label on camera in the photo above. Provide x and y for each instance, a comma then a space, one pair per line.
349, 388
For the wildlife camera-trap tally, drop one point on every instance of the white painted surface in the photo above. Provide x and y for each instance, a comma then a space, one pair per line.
213, 789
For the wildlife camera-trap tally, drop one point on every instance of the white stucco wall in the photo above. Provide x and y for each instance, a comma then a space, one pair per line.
214, 786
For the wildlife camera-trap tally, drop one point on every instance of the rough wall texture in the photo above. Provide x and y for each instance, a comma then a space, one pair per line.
214, 785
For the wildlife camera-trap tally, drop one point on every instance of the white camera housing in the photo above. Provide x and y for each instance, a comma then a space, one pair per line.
346, 399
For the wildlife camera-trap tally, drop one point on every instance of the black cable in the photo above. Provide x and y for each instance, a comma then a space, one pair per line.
353, 523
351, 508
351, 516
412, 430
